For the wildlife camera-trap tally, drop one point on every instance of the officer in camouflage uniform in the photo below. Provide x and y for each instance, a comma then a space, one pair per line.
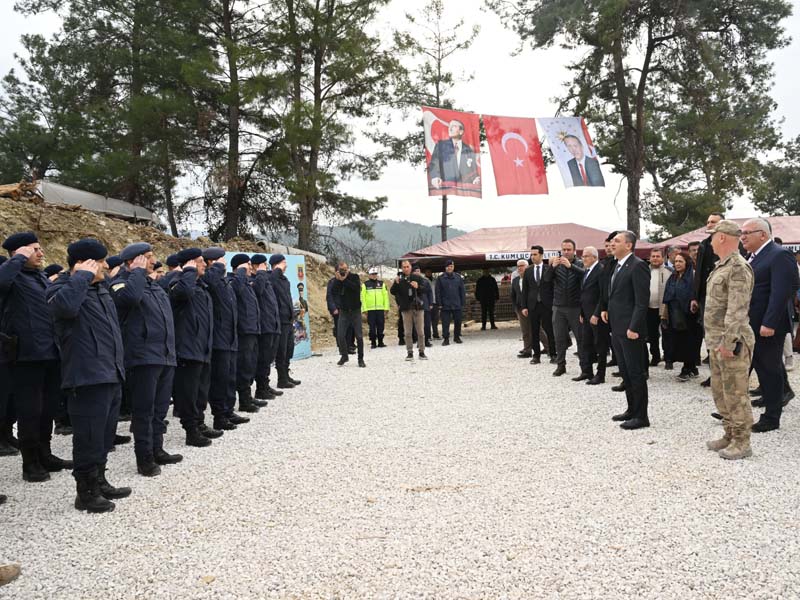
730, 341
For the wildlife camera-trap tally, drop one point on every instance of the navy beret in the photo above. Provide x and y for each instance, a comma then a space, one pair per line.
448, 263
51, 270
611, 236
276, 259
133, 250
213, 253
113, 261
188, 254
86, 249
258, 259
17, 240
157, 266
172, 261
238, 260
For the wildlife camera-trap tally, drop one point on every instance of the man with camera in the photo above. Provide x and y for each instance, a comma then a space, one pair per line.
346, 291
407, 288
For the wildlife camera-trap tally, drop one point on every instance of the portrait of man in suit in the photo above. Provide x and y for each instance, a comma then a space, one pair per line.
585, 170
453, 163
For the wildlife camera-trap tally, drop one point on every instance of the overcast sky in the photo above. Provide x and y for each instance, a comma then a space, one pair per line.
503, 84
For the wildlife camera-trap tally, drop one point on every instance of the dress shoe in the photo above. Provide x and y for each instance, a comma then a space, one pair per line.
445, 342
223, 424
381, 344
343, 360
583, 377
293, 381
361, 363
596, 380
717, 416
621, 417
119, 440
524, 354
162, 457
52, 463
32, 468
285, 384
195, 438
758, 403
352, 350
763, 426
560, 370
536, 360
428, 344
756, 392
274, 392
494, 326
146, 466
238, 419
483, 328
248, 407
787, 396
260, 403
458, 340
618, 388
553, 360
634, 424
211, 434
436, 336
704, 383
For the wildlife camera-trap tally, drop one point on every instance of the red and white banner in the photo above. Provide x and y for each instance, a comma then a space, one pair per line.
516, 155
452, 152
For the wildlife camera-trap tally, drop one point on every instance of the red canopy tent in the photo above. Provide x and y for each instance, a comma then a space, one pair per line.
502, 246
786, 228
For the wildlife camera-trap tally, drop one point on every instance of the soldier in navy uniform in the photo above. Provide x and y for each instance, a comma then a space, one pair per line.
92, 368
283, 292
269, 328
248, 316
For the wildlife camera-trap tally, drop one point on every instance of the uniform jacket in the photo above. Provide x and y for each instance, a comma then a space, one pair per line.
329, 296
87, 331
247, 311
591, 286
628, 297
374, 295
167, 278
407, 297
269, 317
486, 290
567, 284
729, 288
194, 316
533, 292
25, 314
145, 318
776, 281
283, 292
450, 291
347, 294
223, 298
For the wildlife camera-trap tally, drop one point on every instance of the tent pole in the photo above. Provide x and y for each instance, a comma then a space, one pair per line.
444, 218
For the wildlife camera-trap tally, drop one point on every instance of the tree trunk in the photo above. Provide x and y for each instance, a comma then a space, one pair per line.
305, 223
132, 191
232, 200
444, 218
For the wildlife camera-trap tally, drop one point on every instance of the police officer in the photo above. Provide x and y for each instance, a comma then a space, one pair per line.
35, 375
173, 270
8, 444
92, 369
148, 331
730, 340
248, 328
269, 327
452, 298
52, 271
194, 331
283, 292
375, 302
114, 264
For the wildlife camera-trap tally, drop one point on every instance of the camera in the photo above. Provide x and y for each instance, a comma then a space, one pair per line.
342, 272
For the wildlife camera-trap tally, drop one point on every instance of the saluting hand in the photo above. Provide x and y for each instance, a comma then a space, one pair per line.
90, 266
140, 262
26, 251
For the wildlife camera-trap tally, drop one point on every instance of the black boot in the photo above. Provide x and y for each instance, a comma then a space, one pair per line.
32, 469
89, 497
108, 491
283, 381
238, 419
380, 343
293, 381
147, 467
223, 424
197, 439
274, 392
119, 440
162, 457
210, 433
6, 449
50, 462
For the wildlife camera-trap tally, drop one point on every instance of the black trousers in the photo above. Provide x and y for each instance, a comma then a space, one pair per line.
768, 363
36, 387
350, 320
594, 347
668, 342
376, 319
267, 349
222, 390
427, 324
632, 362
454, 315
435, 319
246, 361
149, 388
190, 392
487, 310
7, 416
654, 332
351, 336
94, 411
541, 317
285, 349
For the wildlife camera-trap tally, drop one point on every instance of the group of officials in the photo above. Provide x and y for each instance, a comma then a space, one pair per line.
197, 336
744, 315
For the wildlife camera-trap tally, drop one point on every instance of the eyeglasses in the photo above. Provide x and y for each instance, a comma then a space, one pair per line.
743, 233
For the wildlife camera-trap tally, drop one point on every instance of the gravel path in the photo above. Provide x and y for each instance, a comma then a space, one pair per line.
474, 475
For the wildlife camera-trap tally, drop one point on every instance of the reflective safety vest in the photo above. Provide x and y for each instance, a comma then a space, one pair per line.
374, 295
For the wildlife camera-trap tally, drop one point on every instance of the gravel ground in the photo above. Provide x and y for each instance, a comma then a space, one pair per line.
473, 475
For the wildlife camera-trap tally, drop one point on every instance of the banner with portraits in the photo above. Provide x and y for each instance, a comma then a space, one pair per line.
573, 150
452, 152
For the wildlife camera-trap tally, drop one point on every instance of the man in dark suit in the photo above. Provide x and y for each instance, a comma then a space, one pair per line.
594, 345
537, 293
626, 312
585, 170
776, 282
518, 302
453, 162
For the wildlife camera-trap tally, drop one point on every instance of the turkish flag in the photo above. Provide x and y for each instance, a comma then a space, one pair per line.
516, 155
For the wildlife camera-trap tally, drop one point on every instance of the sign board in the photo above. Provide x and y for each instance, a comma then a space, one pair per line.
296, 274
504, 256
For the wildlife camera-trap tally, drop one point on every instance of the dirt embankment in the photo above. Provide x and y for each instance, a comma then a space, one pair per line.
58, 226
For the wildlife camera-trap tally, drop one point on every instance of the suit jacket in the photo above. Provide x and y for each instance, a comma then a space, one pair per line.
517, 297
593, 173
590, 292
775, 283
542, 290
706, 259
628, 297
444, 166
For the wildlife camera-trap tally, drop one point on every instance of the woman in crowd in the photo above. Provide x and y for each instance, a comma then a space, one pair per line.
677, 315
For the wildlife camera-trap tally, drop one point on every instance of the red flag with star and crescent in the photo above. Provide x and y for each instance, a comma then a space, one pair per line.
516, 155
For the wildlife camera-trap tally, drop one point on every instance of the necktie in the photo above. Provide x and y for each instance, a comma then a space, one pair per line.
537, 273
583, 174
614, 276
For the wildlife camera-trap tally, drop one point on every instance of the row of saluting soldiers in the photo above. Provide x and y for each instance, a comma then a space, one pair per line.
197, 336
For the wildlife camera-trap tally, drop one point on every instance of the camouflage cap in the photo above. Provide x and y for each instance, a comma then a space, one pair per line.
727, 227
